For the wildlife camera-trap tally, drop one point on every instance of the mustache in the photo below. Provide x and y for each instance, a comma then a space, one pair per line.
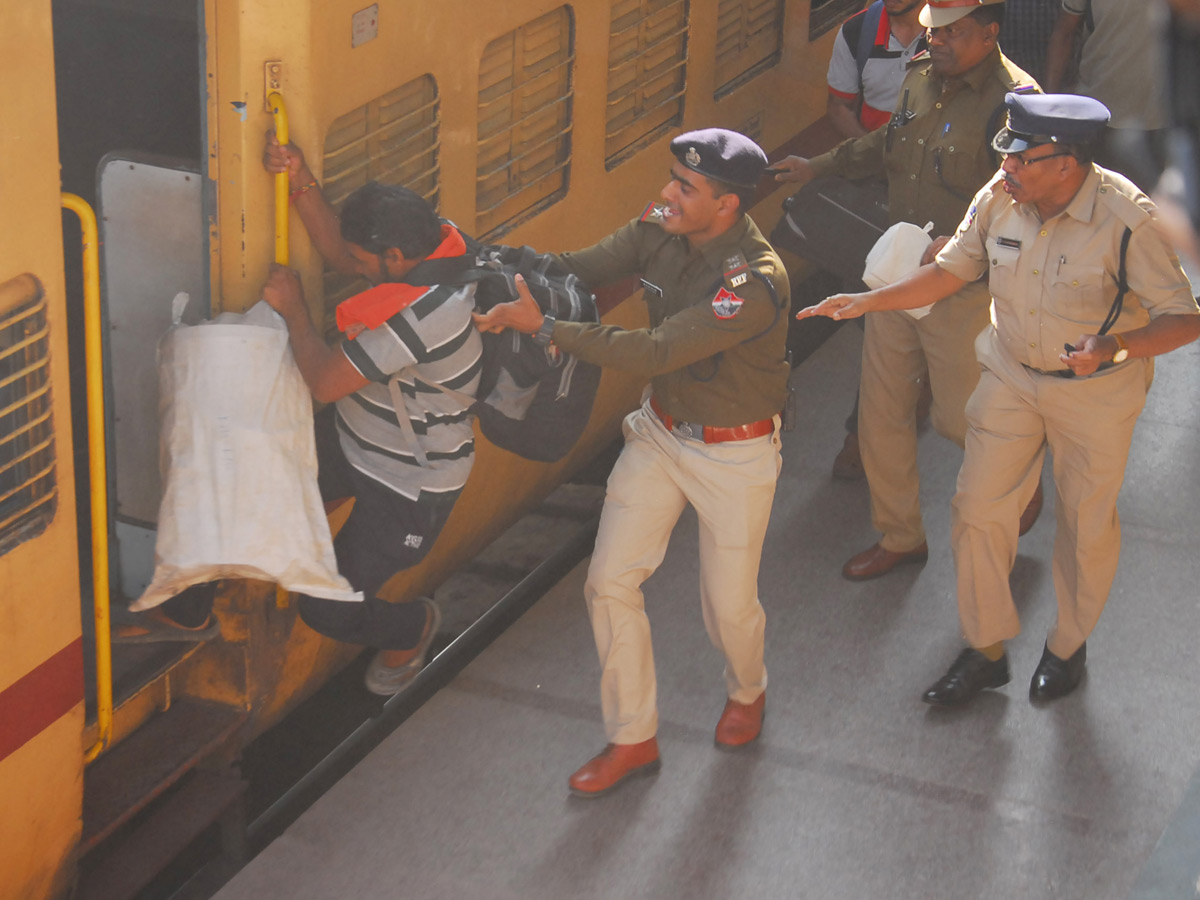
1010, 181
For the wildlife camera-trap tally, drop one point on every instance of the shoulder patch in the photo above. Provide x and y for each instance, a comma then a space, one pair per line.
726, 304
1126, 208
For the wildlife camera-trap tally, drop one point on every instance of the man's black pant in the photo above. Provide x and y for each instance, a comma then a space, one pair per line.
385, 534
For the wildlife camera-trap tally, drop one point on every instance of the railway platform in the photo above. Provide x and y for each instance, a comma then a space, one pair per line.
856, 789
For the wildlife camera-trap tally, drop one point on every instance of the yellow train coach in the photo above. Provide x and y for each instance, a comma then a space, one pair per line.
131, 133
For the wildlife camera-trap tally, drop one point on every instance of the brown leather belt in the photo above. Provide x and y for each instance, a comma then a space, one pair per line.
710, 434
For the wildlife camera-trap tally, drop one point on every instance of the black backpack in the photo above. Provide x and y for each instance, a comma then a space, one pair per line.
834, 223
533, 401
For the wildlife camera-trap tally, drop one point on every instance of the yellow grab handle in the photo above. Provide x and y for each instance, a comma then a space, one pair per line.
279, 111
98, 469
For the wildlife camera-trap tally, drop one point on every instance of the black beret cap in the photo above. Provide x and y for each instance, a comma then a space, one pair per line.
721, 154
1035, 119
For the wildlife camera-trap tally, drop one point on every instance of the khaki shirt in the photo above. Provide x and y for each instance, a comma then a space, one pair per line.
1056, 280
713, 359
938, 153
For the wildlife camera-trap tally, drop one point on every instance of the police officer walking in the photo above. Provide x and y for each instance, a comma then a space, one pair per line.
936, 155
1067, 247
707, 433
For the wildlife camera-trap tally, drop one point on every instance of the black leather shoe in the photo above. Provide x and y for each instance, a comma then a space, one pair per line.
1056, 677
966, 677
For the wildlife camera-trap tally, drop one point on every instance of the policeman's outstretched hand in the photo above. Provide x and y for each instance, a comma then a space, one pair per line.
793, 169
522, 314
1089, 353
283, 291
839, 306
279, 157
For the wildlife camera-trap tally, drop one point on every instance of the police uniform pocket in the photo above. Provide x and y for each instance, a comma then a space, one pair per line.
1076, 293
958, 170
1002, 269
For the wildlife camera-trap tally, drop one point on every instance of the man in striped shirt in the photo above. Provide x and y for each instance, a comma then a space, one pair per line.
400, 342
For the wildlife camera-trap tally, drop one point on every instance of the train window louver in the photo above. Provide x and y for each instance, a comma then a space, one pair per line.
647, 74
28, 487
826, 15
749, 41
524, 122
393, 139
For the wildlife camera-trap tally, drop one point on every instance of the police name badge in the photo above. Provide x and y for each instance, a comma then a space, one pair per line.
726, 304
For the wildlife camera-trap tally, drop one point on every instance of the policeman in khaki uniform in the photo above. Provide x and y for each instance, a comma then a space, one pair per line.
707, 433
936, 154
1065, 366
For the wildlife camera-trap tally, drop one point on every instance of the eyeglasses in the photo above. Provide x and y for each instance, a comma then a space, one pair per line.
1029, 162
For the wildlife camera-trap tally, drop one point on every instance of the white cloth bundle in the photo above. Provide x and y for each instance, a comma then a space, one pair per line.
239, 463
896, 255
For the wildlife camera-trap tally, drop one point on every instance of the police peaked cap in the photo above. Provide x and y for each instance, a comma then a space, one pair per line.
721, 154
939, 13
1035, 119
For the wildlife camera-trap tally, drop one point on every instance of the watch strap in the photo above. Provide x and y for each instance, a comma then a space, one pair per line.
1122, 352
545, 334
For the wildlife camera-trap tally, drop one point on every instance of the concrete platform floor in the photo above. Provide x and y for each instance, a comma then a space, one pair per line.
856, 789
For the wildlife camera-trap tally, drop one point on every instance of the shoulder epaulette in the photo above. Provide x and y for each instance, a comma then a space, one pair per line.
1124, 207
922, 57
737, 271
652, 213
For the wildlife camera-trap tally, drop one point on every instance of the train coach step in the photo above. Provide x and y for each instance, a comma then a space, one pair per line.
126, 779
152, 844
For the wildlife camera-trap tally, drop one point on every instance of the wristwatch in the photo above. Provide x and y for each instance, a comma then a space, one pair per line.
1122, 353
546, 333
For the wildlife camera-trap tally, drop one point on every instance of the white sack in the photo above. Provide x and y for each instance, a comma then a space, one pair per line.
238, 461
896, 255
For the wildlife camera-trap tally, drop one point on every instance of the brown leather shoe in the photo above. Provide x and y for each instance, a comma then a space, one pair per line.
877, 561
741, 723
1032, 511
612, 765
848, 464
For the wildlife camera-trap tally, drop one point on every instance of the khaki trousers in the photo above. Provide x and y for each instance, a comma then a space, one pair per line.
731, 485
1012, 417
897, 351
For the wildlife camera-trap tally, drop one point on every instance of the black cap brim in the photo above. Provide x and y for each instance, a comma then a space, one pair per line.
1009, 141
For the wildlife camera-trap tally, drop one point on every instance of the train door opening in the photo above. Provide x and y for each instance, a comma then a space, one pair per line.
129, 77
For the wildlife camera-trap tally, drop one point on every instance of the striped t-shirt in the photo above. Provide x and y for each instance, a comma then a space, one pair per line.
437, 338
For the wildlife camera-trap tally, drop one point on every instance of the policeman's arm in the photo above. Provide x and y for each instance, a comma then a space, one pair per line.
326, 370
928, 284
1060, 50
842, 112
934, 248
317, 216
613, 258
1162, 335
